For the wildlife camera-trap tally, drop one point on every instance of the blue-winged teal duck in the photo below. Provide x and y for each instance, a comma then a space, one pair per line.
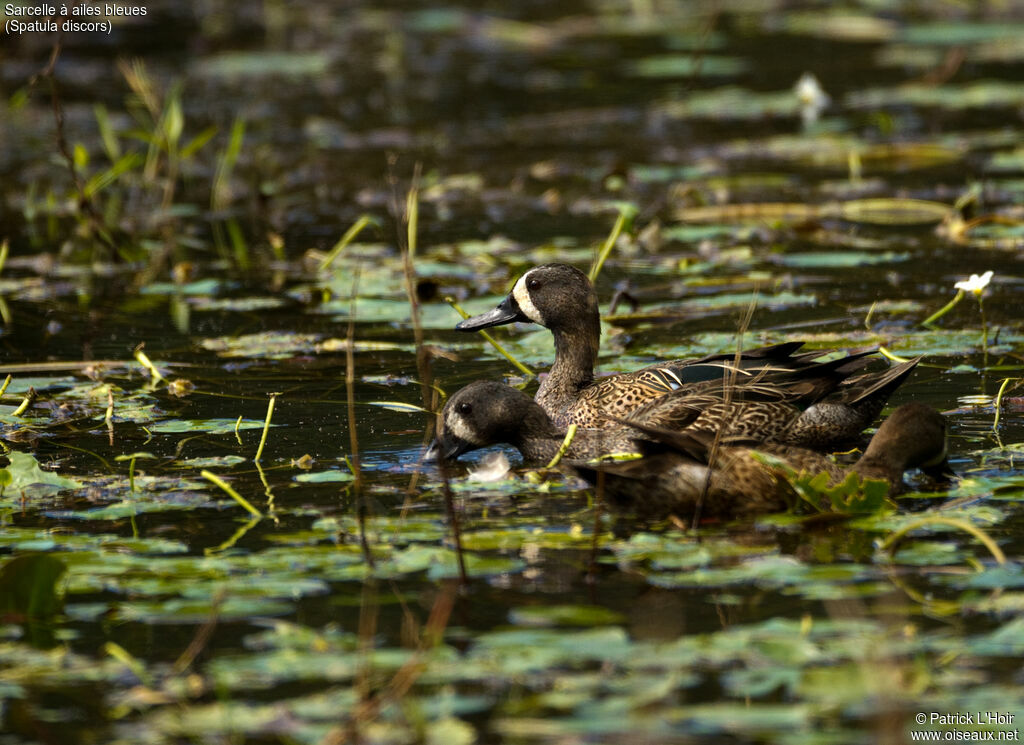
676, 472
562, 299
489, 413
673, 470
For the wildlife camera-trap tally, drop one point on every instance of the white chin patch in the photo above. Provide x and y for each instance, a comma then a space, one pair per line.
522, 296
458, 427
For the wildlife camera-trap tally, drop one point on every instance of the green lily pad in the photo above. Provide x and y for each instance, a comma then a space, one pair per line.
207, 426
841, 259
564, 615
687, 66
322, 477
182, 611
219, 461
245, 65
27, 476
241, 305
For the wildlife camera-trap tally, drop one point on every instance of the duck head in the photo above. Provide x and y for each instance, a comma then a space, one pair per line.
551, 295
913, 436
486, 413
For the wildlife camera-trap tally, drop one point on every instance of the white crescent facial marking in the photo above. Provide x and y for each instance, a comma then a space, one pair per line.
461, 429
522, 296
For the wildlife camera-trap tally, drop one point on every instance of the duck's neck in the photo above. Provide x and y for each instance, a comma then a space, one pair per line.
575, 357
538, 437
879, 465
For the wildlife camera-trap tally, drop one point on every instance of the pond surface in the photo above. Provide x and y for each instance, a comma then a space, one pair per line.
203, 228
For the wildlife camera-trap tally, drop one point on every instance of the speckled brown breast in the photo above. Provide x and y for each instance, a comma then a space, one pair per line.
616, 396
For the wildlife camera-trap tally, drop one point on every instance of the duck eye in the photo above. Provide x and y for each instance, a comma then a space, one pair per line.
465, 407
533, 283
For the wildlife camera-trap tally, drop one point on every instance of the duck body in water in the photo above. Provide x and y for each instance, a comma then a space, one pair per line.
562, 299
683, 473
488, 413
675, 470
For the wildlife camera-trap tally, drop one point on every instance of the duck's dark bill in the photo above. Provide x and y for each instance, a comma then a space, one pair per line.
507, 311
446, 447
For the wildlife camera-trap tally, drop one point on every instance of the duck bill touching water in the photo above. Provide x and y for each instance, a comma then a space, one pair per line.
562, 299
674, 470
488, 413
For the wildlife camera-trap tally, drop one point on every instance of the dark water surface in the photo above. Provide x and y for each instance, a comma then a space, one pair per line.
526, 130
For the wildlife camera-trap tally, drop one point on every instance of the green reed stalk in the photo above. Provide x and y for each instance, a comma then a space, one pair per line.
266, 427
231, 493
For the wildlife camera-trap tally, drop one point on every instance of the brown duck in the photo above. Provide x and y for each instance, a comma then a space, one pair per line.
562, 299
673, 467
680, 470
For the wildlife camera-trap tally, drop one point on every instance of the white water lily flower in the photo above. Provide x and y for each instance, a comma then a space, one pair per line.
975, 284
812, 97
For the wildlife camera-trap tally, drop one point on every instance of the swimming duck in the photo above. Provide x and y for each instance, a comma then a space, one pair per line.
562, 298
677, 471
789, 408
489, 413
670, 475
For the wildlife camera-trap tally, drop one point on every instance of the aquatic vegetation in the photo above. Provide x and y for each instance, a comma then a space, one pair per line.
233, 189
131, 207
975, 285
812, 97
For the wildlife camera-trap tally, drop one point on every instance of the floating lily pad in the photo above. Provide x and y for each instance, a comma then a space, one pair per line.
687, 65
432, 315
841, 259
980, 95
841, 25
322, 477
200, 287
20, 385
242, 304
271, 344
948, 343
733, 102
245, 65
180, 611
958, 33
25, 476
564, 615
137, 505
208, 426
220, 461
